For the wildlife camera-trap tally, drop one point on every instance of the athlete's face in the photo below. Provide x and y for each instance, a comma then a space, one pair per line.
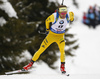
63, 14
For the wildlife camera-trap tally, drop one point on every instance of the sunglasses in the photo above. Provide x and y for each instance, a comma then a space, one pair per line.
63, 13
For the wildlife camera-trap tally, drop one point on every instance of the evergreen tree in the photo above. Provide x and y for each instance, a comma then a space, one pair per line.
1, 2
14, 39
4, 14
75, 3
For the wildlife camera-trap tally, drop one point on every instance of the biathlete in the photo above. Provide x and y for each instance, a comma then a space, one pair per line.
59, 21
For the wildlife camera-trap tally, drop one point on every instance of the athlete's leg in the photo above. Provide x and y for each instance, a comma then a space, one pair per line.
46, 42
61, 45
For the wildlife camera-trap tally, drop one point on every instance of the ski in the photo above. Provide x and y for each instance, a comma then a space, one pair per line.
17, 71
65, 74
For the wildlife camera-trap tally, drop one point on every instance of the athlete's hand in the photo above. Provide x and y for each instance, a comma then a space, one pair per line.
71, 16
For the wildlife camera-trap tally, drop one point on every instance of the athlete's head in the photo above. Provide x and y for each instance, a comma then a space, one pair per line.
62, 9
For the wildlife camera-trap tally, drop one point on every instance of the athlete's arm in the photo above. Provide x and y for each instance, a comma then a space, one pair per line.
48, 21
71, 14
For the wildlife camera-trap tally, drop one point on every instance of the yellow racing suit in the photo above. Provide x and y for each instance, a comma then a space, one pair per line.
56, 34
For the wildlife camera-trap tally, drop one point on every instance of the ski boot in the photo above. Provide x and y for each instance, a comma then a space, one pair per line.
29, 65
62, 67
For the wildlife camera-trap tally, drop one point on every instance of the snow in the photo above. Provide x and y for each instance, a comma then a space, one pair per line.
50, 76
85, 64
87, 56
9, 10
2, 21
40, 70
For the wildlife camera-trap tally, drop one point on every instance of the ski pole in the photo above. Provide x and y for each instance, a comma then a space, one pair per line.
62, 2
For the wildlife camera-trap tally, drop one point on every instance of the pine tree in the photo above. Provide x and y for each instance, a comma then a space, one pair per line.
1, 2
4, 14
14, 39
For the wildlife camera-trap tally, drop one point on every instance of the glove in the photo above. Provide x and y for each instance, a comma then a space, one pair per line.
71, 16
47, 30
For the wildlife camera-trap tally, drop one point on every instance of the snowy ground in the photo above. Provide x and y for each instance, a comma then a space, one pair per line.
42, 71
86, 63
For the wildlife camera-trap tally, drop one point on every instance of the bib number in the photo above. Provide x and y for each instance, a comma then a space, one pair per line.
60, 26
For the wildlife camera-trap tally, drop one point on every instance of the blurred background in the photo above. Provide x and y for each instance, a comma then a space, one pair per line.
22, 29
